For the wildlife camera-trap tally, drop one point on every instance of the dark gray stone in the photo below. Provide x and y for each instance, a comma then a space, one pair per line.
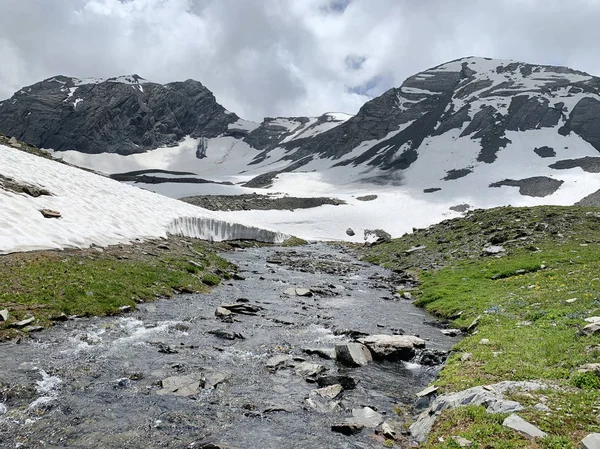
545, 151
112, 117
538, 186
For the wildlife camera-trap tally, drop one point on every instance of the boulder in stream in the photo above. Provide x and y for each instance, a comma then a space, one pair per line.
392, 347
353, 354
189, 385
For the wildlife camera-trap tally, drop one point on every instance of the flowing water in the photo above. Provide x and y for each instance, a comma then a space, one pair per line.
98, 383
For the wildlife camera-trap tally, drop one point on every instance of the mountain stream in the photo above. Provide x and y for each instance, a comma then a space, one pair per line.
172, 374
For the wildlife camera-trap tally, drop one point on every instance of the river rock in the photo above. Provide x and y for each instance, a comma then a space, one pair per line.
188, 385
347, 428
278, 361
350, 232
330, 392
242, 308
226, 335
592, 441
222, 312
324, 353
395, 347
490, 396
517, 423
212, 379
347, 382
307, 369
353, 354
366, 417
4, 315
23, 323
427, 391
387, 431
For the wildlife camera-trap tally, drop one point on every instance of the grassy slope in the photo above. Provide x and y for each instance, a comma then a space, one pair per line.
46, 284
552, 256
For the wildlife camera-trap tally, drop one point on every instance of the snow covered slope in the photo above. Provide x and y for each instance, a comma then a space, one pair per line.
96, 210
474, 132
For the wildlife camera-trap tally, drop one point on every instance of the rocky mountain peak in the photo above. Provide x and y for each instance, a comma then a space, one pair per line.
125, 114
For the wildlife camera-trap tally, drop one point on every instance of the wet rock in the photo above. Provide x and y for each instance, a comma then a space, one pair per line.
303, 292
330, 392
387, 431
298, 291
592, 441
427, 391
307, 369
350, 232
23, 323
278, 361
212, 379
324, 353
3, 409
393, 347
61, 317
126, 309
347, 382
351, 333
224, 314
163, 348
242, 308
188, 385
451, 332
430, 357
347, 428
30, 329
321, 404
353, 354
4, 315
518, 424
367, 417
226, 335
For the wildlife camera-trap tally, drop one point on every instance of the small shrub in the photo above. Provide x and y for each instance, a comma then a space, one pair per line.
586, 381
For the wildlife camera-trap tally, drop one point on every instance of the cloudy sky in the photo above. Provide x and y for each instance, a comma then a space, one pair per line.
285, 57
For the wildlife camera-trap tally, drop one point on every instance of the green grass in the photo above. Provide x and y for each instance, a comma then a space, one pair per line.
47, 284
522, 300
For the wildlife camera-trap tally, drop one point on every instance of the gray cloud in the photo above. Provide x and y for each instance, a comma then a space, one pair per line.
285, 57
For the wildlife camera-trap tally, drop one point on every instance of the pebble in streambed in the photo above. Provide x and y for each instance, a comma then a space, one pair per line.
261, 372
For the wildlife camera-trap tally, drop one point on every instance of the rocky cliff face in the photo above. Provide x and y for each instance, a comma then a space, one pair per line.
470, 101
477, 98
121, 115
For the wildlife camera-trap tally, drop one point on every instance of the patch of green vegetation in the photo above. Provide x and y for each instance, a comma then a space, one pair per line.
89, 282
532, 300
294, 241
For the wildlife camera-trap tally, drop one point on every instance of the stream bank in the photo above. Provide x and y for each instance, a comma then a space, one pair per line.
172, 374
